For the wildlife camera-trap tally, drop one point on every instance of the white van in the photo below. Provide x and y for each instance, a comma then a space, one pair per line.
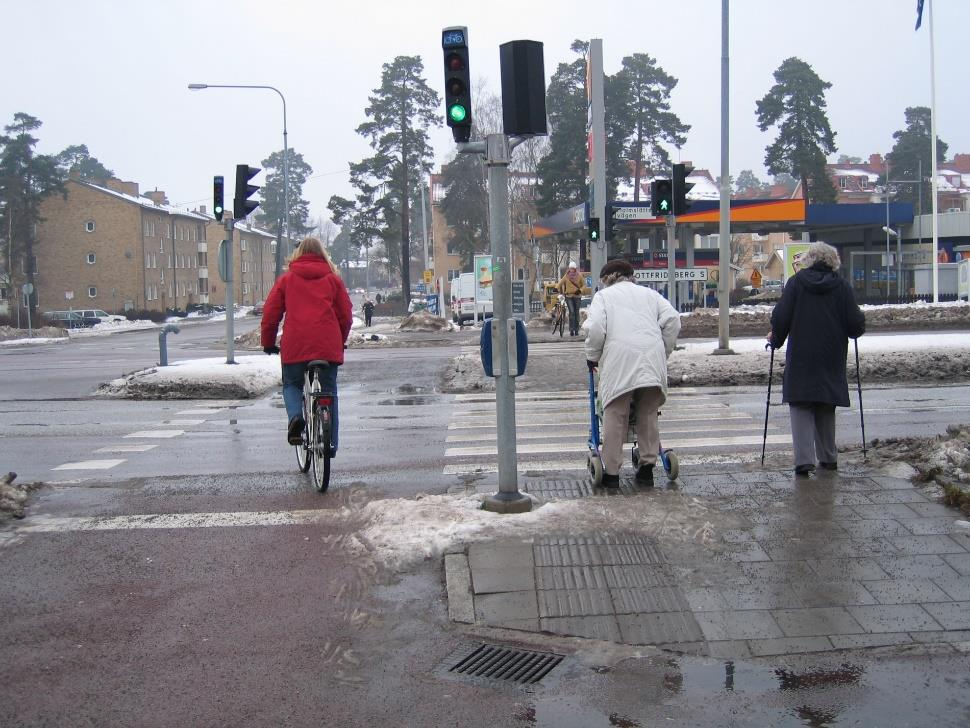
463, 300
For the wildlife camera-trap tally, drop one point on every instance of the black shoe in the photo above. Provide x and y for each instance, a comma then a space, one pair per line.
294, 431
804, 469
644, 476
829, 466
610, 481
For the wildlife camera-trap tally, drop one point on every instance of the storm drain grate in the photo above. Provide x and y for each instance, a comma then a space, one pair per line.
523, 667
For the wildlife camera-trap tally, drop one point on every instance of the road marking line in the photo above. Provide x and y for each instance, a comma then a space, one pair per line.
572, 446
200, 411
183, 423
89, 465
48, 524
126, 448
483, 421
583, 432
156, 433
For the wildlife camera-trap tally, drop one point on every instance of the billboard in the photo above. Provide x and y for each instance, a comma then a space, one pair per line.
483, 277
793, 257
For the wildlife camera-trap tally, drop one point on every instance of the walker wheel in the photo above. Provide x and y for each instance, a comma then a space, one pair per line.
671, 464
595, 467
636, 457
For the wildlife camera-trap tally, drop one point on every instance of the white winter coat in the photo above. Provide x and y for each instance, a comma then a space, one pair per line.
631, 330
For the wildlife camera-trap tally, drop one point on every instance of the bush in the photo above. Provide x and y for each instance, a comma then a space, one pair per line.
6, 320
140, 315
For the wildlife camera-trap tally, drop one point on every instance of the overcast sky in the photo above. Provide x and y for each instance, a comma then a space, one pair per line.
112, 74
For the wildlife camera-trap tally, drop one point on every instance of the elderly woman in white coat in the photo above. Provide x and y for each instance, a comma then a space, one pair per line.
631, 330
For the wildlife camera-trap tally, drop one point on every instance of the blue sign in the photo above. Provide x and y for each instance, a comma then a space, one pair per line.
431, 301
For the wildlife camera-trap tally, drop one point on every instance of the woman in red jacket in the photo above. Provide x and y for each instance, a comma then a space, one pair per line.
318, 318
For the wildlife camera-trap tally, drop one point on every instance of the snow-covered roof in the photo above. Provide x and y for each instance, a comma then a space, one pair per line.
147, 203
871, 176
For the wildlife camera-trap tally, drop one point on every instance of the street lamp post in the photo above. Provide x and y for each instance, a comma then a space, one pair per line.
286, 165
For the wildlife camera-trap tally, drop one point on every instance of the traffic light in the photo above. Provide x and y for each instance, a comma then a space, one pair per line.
458, 94
681, 188
242, 205
217, 196
661, 197
594, 229
608, 230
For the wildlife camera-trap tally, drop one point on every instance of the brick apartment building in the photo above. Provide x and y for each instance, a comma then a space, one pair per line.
112, 248
447, 262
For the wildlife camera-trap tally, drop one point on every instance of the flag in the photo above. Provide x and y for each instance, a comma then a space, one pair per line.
919, 13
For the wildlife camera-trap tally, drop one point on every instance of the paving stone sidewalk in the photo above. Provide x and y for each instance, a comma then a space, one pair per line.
777, 565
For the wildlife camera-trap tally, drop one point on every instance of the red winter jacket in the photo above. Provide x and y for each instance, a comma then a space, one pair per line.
317, 310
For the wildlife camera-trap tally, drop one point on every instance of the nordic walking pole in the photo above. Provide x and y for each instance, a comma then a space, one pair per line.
771, 367
862, 417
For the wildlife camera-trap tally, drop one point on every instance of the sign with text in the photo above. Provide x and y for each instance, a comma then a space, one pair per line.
659, 275
632, 213
518, 299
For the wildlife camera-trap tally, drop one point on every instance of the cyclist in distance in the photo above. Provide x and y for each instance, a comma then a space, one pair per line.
573, 286
317, 307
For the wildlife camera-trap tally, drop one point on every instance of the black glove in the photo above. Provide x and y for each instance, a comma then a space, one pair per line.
271, 349
592, 365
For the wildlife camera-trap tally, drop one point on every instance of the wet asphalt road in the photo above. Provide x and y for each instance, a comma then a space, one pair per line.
297, 625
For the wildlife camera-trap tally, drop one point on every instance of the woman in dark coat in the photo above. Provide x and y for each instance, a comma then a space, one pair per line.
817, 314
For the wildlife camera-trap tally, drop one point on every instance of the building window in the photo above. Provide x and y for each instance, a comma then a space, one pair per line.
453, 273
203, 285
89, 226
864, 183
203, 259
242, 243
92, 291
91, 258
843, 182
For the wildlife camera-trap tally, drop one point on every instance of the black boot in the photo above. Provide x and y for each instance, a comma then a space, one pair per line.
645, 476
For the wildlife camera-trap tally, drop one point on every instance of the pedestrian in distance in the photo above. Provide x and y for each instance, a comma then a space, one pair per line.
817, 315
368, 311
631, 330
573, 286
317, 307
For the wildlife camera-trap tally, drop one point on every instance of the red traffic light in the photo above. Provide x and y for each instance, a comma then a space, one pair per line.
455, 62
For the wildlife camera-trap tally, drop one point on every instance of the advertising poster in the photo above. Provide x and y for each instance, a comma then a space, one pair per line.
793, 257
483, 277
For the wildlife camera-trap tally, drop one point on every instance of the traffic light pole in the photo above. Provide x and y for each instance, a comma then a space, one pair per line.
497, 149
672, 261
230, 333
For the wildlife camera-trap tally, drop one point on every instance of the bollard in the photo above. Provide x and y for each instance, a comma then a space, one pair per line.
162, 344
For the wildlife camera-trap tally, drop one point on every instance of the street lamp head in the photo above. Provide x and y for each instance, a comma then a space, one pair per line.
890, 231
198, 86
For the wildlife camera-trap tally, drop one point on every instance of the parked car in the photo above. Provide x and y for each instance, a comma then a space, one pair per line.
69, 319
101, 316
257, 309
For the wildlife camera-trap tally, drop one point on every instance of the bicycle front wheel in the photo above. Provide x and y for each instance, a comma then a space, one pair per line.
320, 444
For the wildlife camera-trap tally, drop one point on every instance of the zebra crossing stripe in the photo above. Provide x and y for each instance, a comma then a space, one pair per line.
571, 446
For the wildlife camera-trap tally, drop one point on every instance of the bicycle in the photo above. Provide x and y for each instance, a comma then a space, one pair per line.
315, 449
559, 314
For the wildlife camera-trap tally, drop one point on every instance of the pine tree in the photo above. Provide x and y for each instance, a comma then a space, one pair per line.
796, 105
912, 155
465, 207
26, 179
272, 208
77, 160
642, 106
400, 113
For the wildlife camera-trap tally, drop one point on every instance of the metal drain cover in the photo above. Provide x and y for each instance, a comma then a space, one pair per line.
508, 665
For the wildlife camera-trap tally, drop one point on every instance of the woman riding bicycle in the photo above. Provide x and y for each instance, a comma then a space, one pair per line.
573, 286
318, 318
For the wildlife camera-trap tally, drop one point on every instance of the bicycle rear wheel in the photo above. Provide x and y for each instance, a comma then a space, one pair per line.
560, 322
320, 443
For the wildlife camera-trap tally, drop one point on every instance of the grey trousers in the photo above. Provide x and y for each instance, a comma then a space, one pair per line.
813, 433
616, 422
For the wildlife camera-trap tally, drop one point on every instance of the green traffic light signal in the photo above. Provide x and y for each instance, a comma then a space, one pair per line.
663, 206
457, 113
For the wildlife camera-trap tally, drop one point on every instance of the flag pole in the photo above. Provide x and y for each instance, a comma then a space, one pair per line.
933, 162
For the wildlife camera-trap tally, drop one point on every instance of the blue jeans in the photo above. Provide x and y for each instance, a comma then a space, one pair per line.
293, 392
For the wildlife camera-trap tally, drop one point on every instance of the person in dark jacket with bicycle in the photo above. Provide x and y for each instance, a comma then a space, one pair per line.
817, 314
318, 318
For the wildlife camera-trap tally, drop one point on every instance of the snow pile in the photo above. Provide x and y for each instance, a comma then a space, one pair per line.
43, 334
13, 497
359, 339
400, 532
424, 321
250, 376
465, 374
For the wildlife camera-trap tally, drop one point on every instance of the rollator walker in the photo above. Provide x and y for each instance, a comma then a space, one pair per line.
594, 461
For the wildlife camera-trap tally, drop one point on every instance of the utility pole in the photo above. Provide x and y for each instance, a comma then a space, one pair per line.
599, 250
724, 222
230, 314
